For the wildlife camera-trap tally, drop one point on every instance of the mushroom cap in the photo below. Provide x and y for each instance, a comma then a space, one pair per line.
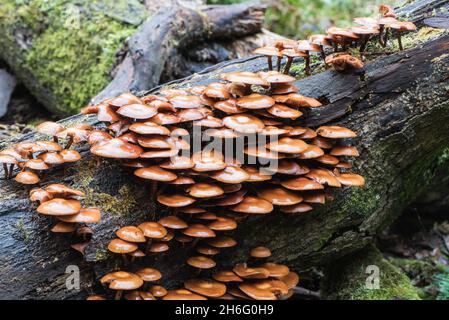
85, 215
159, 247
206, 287
27, 177
253, 205
228, 106
149, 128
280, 196
297, 208
244, 123
365, 30
116, 148
153, 230
121, 280
321, 40
328, 159
149, 274
158, 291
4, 158
155, 173
323, 143
257, 293
159, 153
290, 167
221, 242
284, 88
95, 297
209, 122
59, 207
260, 252
77, 134
367, 21
255, 175
288, 145
36, 164
315, 198
139, 295
341, 32
40, 195
59, 190
63, 227
230, 175
80, 247
304, 45
156, 142
210, 160
291, 279
175, 200
51, 158
96, 136
188, 115
282, 111
106, 113
268, 51
301, 184
387, 20
402, 26
205, 190
217, 90
131, 234
243, 271
120, 246
186, 102
178, 163
292, 53
123, 99
277, 78
223, 133
207, 250
49, 127
297, 100
201, 262
324, 176
173, 222
70, 155
244, 77
262, 152
351, 179
276, 270
312, 152
182, 294
137, 111
226, 276
223, 224
348, 151
182, 181
255, 101
199, 231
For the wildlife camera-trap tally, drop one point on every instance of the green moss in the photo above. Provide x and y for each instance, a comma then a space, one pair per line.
72, 52
347, 279
121, 203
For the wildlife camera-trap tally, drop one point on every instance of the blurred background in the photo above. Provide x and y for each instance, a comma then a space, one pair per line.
298, 19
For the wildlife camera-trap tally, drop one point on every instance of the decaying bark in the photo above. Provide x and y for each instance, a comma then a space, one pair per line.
399, 108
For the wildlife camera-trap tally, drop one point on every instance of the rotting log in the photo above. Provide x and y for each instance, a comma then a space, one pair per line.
105, 40
399, 108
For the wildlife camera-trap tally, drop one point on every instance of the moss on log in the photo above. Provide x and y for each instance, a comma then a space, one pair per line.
353, 278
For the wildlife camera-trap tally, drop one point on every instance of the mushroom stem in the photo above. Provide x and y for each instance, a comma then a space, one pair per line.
323, 53
363, 43
307, 69
401, 47
69, 143
154, 186
288, 65
149, 242
55, 139
11, 170
385, 40
270, 63
118, 295
5, 169
381, 34
279, 64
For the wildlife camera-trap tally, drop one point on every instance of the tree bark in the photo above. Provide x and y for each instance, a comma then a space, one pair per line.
400, 110
68, 52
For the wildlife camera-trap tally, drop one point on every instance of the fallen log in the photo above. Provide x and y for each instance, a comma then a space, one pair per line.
399, 108
109, 47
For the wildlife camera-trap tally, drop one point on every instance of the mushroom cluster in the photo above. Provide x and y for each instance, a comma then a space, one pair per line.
338, 40
63, 203
210, 190
33, 158
265, 281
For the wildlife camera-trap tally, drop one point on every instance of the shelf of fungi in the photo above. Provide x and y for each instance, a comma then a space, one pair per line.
258, 160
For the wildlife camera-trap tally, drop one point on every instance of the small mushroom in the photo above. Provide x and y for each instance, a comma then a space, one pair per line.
27, 177
269, 52
10, 161
206, 287
307, 47
121, 280
201, 262
253, 205
182, 294
50, 128
401, 27
260, 252
343, 62
226, 276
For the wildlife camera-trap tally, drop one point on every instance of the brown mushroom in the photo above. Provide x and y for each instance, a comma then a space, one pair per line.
206, 287
280, 196
201, 262
121, 280
226, 276
130, 234
270, 52
50, 128
182, 294
260, 252
59, 207
253, 205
